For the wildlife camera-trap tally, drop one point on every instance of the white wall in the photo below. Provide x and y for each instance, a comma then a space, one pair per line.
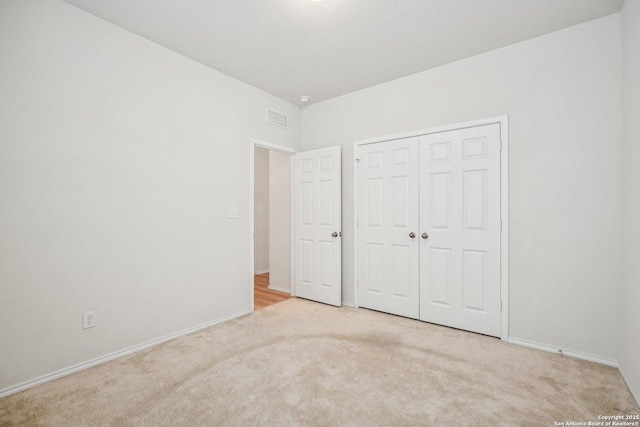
280, 223
562, 94
118, 162
629, 355
261, 210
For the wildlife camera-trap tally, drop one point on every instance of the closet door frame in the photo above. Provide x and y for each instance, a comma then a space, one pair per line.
503, 121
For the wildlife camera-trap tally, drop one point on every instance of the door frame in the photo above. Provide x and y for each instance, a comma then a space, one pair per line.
254, 142
503, 121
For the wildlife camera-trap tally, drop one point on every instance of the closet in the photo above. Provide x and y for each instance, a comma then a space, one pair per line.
429, 228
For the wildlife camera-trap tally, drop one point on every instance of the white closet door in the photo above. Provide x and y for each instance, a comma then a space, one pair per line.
460, 213
317, 216
388, 260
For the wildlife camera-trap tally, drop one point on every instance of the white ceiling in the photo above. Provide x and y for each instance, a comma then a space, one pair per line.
331, 47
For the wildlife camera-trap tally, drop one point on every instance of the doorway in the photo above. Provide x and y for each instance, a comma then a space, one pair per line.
271, 223
315, 272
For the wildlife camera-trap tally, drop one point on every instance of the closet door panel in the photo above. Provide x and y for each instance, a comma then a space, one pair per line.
388, 259
460, 212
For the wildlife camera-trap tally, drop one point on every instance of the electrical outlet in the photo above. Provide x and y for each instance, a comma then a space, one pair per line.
89, 319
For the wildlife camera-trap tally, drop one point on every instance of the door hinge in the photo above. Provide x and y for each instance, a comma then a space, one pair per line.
500, 225
357, 163
500, 145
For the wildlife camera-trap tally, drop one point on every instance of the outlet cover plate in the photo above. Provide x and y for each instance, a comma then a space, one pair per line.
89, 319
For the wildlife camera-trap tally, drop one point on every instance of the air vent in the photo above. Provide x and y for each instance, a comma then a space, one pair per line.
277, 118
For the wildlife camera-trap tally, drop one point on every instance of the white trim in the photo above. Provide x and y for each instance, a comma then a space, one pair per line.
356, 284
252, 229
348, 304
254, 142
504, 220
292, 213
626, 377
437, 129
111, 356
503, 121
279, 289
558, 351
255, 273
270, 146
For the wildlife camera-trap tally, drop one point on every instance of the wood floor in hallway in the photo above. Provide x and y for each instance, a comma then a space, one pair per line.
263, 296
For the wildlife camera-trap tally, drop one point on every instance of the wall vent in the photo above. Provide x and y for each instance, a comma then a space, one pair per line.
277, 118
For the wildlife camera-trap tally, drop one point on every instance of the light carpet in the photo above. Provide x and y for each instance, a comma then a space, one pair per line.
299, 363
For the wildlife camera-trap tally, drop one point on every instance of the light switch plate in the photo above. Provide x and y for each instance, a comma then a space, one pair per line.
233, 212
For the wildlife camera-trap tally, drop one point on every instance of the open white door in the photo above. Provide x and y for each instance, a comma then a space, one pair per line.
317, 219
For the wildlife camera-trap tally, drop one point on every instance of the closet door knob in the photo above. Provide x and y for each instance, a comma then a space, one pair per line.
412, 234
425, 236
334, 234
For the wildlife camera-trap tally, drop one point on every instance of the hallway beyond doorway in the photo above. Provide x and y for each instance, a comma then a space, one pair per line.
263, 296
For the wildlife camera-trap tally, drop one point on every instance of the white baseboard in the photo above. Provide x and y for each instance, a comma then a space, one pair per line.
279, 289
348, 304
556, 350
255, 273
634, 391
111, 356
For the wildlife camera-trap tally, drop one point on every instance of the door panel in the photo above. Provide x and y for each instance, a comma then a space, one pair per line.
460, 211
473, 279
439, 268
388, 259
317, 214
440, 203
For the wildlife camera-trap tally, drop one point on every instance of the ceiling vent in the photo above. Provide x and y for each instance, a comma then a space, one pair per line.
277, 118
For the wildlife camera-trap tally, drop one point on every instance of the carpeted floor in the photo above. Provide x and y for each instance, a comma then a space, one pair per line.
299, 363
